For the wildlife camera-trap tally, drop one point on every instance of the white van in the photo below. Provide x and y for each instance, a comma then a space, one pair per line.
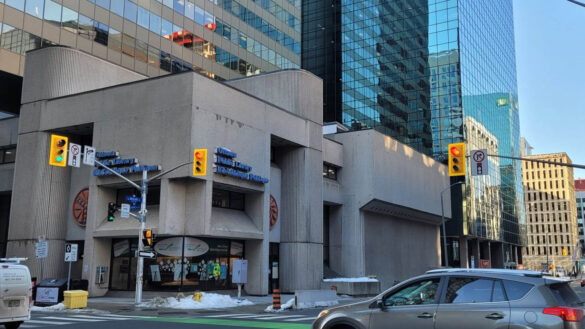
15, 293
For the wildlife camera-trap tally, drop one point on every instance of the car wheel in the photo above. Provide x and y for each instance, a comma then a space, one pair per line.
12, 325
342, 326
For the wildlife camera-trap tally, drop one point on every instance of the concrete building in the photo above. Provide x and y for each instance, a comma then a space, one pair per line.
277, 191
549, 194
580, 195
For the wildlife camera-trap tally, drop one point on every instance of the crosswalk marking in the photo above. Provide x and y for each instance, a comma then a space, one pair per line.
253, 316
123, 316
225, 315
48, 322
100, 318
274, 317
302, 319
24, 325
70, 319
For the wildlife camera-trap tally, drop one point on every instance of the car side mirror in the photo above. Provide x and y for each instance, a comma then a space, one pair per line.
378, 304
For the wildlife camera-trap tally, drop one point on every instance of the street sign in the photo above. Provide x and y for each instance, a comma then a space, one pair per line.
42, 249
71, 252
479, 163
74, 155
89, 156
125, 210
146, 254
135, 202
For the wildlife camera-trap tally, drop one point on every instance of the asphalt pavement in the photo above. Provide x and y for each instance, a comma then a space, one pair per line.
120, 312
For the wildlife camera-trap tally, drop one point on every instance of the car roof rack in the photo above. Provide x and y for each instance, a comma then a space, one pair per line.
16, 260
533, 274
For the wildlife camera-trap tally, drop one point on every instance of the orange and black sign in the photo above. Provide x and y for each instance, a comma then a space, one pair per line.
80, 207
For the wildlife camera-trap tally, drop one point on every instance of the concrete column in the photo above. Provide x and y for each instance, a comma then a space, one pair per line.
39, 205
257, 256
475, 252
301, 241
463, 253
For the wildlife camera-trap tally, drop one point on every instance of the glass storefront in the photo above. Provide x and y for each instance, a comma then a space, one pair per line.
182, 263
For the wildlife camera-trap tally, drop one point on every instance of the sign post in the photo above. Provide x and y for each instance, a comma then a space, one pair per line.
479, 163
70, 256
42, 251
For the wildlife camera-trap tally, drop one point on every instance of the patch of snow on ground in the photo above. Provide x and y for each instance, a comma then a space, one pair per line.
290, 304
286, 306
208, 300
52, 308
362, 279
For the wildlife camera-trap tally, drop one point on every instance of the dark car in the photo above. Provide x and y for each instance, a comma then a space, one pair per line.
465, 299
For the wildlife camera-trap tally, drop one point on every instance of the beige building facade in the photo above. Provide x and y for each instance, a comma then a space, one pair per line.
551, 217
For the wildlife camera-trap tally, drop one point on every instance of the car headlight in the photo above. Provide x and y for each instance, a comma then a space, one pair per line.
323, 313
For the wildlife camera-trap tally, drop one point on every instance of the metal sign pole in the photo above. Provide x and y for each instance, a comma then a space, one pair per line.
41, 270
69, 276
140, 260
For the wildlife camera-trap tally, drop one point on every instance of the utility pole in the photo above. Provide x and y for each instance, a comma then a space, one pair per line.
443, 223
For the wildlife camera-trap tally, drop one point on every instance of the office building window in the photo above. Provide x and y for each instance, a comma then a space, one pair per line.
8, 155
330, 171
228, 199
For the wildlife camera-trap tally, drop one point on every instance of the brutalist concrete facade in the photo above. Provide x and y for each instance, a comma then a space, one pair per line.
384, 206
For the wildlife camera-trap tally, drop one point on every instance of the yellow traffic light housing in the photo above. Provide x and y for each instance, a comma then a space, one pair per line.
457, 159
147, 237
200, 162
565, 252
58, 151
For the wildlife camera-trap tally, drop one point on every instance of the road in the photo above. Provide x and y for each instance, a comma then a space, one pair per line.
283, 320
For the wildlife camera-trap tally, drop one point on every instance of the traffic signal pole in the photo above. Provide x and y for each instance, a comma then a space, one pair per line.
142, 218
143, 187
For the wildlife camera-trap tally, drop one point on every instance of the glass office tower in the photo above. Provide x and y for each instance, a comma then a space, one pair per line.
224, 39
415, 70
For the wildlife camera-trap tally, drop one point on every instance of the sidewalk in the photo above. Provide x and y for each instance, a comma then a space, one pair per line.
123, 301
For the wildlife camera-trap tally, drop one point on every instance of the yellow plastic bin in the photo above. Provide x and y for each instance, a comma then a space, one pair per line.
75, 298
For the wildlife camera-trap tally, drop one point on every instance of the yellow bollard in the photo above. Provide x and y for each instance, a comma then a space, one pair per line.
197, 296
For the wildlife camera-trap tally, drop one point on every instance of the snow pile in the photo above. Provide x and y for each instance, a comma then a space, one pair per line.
52, 308
286, 306
208, 300
362, 279
291, 304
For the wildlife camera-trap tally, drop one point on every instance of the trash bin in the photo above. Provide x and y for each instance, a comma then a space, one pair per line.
75, 299
77, 284
50, 292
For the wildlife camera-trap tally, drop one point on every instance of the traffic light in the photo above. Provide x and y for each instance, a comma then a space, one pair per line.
58, 151
147, 237
200, 162
565, 252
111, 211
457, 159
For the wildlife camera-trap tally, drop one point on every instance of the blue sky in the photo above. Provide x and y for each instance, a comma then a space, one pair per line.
550, 59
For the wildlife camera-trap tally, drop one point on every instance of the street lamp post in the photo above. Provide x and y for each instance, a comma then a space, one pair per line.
443, 222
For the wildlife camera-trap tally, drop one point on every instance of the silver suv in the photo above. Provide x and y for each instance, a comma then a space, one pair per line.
465, 299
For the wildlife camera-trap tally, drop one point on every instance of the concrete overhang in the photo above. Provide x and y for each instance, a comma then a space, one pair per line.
401, 212
231, 223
